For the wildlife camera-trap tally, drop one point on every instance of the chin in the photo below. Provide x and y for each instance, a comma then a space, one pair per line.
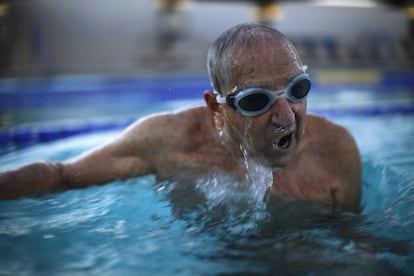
277, 164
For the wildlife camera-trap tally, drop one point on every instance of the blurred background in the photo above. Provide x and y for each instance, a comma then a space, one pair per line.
55, 37
79, 59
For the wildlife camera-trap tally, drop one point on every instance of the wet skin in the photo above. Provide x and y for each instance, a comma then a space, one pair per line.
312, 159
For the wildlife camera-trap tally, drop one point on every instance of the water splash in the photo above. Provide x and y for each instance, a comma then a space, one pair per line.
258, 177
219, 187
232, 205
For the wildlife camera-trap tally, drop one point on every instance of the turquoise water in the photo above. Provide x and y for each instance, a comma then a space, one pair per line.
142, 227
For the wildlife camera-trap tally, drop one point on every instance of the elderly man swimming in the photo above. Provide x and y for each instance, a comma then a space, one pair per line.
256, 111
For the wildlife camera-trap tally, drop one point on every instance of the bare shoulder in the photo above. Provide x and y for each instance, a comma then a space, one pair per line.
338, 152
167, 129
334, 137
150, 145
161, 122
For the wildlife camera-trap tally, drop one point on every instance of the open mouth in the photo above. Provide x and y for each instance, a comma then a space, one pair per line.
284, 142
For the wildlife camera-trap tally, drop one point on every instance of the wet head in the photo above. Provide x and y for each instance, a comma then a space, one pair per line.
264, 59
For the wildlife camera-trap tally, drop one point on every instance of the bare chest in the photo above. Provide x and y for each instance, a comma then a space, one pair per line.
312, 183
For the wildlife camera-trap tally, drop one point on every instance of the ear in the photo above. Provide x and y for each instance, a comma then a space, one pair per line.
214, 108
210, 99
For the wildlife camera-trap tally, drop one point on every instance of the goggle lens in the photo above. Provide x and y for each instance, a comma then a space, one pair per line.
254, 102
300, 89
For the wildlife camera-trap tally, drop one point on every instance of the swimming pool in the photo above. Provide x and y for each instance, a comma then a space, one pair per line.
143, 227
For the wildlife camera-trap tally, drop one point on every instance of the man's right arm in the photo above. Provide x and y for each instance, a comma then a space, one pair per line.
125, 157
33, 179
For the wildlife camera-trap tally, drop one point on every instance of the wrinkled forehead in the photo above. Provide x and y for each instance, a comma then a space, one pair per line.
264, 64
278, 57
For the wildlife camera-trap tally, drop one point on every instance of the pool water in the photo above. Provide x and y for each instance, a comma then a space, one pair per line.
143, 227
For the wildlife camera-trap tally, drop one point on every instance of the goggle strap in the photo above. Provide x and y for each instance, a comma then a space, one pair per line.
228, 99
221, 99
304, 68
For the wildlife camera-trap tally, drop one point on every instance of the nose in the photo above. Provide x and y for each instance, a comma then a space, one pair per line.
282, 112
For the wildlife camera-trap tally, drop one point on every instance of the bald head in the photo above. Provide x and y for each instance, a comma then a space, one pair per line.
227, 54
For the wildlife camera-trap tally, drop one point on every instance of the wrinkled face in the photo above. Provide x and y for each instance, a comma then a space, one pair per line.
271, 138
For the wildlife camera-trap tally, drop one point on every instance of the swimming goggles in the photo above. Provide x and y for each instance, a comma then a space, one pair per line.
255, 101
